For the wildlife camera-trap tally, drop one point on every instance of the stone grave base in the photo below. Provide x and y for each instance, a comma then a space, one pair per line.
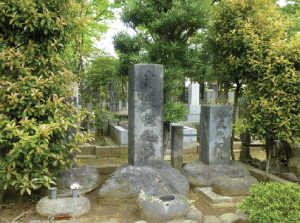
218, 201
201, 175
63, 204
127, 181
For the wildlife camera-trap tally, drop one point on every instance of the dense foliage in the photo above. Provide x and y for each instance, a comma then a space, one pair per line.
273, 202
273, 97
34, 86
242, 35
162, 32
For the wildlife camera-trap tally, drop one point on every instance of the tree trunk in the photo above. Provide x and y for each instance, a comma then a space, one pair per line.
238, 85
269, 148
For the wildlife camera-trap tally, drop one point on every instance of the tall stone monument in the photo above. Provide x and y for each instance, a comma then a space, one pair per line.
215, 128
145, 115
193, 103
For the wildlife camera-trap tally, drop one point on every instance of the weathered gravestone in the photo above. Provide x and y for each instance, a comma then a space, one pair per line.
145, 115
177, 147
222, 98
231, 95
215, 126
209, 95
193, 103
214, 87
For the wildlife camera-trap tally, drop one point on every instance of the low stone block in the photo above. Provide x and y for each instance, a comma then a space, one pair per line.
289, 176
182, 221
242, 215
120, 135
194, 215
74, 206
201, 175
233, 186
217, 201
294, 165
230, 218
211, 219
193, 118
86, 149
107, 151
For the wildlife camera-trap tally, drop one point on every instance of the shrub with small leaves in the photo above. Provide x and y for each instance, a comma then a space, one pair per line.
34, 86
273, 202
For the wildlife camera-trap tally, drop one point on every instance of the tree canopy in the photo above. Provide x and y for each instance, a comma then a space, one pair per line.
163, 29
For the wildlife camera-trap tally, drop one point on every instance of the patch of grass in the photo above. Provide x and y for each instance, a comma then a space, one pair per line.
103, 144
124, 156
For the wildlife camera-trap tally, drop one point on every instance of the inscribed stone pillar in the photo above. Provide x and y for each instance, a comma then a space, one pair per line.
193, 103
209, 95
177, 147
193, 94
215, 128
145, 115
215, 87
231, 95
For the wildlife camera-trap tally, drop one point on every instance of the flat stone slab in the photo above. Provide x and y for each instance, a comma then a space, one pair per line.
218, 201
201, 175
63, 204
234, 186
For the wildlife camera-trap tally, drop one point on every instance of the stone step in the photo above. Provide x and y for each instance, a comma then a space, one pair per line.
85, 156
110, 141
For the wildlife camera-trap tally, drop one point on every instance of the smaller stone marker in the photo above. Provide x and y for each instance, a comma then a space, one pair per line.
222, 98
231, 95
209, 95
177, 147
215, 87
215, 128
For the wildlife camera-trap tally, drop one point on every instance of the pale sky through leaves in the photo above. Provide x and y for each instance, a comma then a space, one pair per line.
117, 26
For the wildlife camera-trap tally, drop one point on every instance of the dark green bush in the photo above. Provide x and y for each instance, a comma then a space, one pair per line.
273, 202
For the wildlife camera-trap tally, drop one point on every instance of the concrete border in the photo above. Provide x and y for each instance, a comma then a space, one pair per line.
217, 201
259, 175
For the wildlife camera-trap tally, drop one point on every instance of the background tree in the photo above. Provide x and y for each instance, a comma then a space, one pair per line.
99, 13
163, 29
34, 87
100, 70
230, 42
272, 92
293, 8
